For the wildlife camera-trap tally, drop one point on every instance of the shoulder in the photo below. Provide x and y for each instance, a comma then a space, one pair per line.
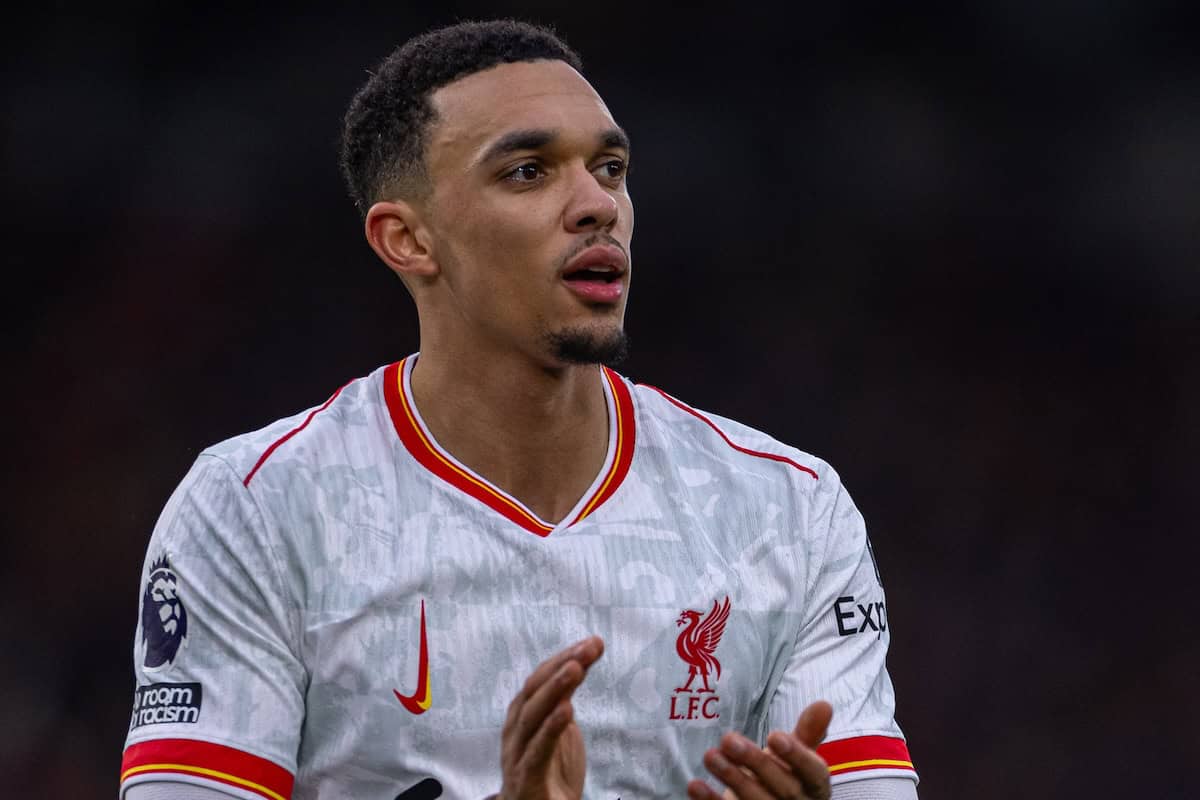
322, 434
686, 433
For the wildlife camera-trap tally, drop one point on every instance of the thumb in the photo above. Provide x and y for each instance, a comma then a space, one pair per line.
813, 722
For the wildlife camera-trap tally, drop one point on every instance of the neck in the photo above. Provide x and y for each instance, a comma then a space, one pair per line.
538, 433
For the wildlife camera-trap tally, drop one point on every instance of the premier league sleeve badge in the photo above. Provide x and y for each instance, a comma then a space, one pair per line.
164, 619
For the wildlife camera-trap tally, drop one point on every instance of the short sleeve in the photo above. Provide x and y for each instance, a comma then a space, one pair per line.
841, 648
219, 697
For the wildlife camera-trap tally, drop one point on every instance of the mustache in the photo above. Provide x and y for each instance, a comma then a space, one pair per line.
591, 241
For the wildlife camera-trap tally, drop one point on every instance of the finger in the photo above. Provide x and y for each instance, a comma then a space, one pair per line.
775, 775
585, 652
540, 750
543, 702
510, 747
813, 722
808, 767
742, 783
699, 790
541, 694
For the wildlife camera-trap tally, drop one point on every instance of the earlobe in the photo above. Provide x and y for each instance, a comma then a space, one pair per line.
395, 233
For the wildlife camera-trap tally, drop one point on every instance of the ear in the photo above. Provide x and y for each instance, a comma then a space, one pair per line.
396, 234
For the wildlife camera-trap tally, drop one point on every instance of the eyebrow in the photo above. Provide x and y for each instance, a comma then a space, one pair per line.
617, 138
537, 138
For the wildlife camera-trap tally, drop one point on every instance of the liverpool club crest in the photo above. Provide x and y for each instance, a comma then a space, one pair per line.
697, 646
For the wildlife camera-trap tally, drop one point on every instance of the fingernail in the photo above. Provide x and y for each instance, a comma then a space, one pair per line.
782, 744
719, 762
735, 745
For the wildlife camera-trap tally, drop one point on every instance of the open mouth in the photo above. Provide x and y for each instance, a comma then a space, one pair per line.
597, 274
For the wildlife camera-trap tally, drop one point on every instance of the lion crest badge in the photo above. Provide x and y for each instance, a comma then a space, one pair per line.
164, 619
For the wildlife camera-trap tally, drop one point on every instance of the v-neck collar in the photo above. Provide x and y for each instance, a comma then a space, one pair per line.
424, 448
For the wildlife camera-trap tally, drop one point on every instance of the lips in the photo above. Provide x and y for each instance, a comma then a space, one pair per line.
596, 274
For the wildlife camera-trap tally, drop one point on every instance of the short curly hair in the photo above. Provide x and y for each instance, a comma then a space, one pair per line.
385, 128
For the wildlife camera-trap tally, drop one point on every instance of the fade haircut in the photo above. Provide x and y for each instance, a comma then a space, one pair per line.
386, 126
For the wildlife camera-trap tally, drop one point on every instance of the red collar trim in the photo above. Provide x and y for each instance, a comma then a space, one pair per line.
421, 445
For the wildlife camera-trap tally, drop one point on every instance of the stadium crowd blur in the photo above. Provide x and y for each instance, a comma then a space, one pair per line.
951, 250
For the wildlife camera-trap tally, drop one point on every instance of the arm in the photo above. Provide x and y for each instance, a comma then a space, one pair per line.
838, 655
841, 650
876, 789
220, 690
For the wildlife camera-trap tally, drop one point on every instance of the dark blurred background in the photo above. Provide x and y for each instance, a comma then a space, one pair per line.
951, 249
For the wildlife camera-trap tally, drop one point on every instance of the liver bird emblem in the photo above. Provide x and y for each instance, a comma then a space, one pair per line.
698, 642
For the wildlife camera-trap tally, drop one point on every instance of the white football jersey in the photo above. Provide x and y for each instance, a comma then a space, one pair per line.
334, 606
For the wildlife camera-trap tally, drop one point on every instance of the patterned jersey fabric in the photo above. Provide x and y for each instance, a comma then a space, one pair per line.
334, 606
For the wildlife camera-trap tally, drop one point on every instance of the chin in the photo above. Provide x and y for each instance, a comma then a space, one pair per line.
589, 345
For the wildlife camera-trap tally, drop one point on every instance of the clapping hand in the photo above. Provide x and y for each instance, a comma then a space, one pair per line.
541, 747
788, 767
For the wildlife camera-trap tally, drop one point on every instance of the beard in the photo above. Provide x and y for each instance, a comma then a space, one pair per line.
589, 346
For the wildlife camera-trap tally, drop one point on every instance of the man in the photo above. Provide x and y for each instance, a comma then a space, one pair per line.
354, 602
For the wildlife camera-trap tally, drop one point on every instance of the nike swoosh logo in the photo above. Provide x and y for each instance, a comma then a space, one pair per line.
418, 702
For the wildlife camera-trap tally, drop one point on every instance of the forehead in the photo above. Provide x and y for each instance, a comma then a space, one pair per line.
480, 108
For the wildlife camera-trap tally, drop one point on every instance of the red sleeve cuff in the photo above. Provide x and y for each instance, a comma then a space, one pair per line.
862, 753
217, 763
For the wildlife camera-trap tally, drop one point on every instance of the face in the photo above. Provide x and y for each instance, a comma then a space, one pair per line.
530, 215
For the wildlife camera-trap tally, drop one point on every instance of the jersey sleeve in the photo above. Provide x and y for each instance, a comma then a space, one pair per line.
219, 697
841, 647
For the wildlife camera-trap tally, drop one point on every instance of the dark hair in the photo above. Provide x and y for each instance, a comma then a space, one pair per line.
384, 131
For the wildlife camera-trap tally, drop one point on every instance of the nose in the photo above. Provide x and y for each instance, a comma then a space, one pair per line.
591, 207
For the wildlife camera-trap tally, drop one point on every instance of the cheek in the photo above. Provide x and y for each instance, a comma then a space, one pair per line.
510, 254
501, 251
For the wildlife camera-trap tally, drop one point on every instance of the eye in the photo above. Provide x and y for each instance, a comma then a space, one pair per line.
525, 173
613, 169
